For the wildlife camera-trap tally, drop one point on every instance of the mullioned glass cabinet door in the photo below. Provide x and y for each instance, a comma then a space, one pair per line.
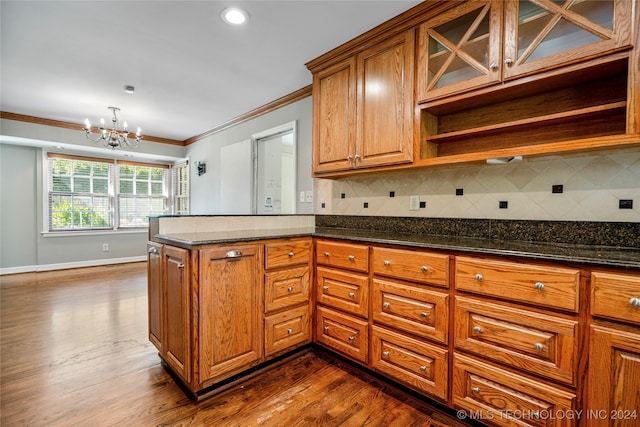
542, 34
460, 49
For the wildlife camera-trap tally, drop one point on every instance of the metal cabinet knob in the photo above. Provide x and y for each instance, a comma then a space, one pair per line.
289, 331
290, 288
387, 262
493, 66
385, 305
477, 329
423, 314
326, 254
385, 354
475, 390
635, 302
423, 368
152, 250
326, 328
291, 254
352, 295
424, 268
351, 257
325, 288
351, 338
478, 277
508, 61
538, 346
349, 157
180, 266
539, 286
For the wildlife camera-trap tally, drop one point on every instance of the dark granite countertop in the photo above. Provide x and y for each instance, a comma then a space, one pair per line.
189, 240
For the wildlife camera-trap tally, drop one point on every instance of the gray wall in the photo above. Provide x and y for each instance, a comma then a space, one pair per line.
205, 189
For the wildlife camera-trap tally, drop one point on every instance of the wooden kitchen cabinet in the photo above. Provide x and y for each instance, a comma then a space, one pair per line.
345, 334
177, 310
230, 306
364, 108
613, 389
155, 293
468, 47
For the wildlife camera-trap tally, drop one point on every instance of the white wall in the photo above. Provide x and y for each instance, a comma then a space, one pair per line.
206, 189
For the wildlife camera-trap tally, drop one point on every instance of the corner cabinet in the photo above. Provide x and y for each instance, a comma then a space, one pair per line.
217, 311
363, 108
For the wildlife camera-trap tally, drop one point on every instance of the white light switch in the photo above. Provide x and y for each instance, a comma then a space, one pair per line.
414, 203
302, 197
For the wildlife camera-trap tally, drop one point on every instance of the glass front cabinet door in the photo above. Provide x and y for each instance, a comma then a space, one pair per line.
483, 42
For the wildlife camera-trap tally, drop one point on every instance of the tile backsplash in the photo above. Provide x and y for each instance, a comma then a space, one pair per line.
580, 187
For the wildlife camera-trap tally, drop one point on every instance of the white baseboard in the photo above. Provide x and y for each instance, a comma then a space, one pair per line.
66, 265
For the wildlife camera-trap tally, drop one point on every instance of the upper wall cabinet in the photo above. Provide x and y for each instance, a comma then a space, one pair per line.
364, 108
483, 42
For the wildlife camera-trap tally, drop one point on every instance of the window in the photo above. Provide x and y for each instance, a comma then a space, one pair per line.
142, 192
79, 194
181, 188
96, 194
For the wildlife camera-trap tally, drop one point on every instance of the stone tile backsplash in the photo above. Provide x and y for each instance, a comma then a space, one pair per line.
592, 185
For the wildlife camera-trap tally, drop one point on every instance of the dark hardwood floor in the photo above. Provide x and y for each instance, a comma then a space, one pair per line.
74, 352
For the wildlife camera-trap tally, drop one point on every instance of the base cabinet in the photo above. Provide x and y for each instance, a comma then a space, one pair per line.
155, 293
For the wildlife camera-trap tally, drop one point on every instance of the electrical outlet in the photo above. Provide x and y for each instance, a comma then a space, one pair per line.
302, 197
105, 247
309, 197
414, 203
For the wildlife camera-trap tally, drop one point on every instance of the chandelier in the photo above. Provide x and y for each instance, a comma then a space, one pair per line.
114, 137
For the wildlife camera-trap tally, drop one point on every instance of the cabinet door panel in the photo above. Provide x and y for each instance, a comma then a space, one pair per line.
613, 379
343, 333
154, 293
230, 310
344, 290
286, 329
384, 133
177, 323
287, 253
286, 288
334, 109
616, 296
417, 266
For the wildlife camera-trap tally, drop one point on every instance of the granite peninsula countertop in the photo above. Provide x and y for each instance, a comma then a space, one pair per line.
550, 251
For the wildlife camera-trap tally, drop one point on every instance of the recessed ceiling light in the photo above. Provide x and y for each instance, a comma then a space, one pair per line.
129, 89
233, 15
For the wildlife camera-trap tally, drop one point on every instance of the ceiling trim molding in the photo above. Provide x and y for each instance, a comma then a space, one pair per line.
68, 125
278, 103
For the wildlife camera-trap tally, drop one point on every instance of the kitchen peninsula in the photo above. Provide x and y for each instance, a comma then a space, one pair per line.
461, 311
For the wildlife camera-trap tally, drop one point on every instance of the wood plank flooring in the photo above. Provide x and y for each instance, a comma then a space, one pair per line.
74, 352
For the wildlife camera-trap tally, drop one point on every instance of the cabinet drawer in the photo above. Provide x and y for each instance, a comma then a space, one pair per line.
416, 266
343, 255
538, 343
419, 365
343, 290
286, 288
287, 329
412, 309
544, 285
343, 333
508, 399
616, 296
282, 254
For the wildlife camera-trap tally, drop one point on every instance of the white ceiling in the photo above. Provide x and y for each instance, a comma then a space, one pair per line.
67, 60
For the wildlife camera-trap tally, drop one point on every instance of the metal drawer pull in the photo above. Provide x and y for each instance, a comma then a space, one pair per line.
635, 302
326, 328
385, 354
351, 338
508, 61
291, 254
387, 262
385, 305
152, 250
326, 254
351, 257
493, 66
233, 254
538, 346
477, 329
352, 295
478, 277
290, 288
180, 266
423, 314
423, 368
539, 286
424, 268
325, 288
475, 390
289, 331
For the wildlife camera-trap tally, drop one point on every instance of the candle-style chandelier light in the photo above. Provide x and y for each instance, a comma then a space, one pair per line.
114, 137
